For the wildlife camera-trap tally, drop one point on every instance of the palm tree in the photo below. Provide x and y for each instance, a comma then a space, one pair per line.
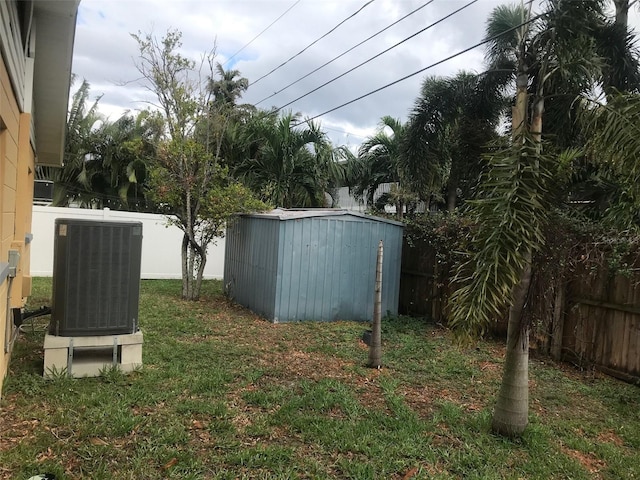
83, 127
227, 89
225, 122
288, 166
613, 129
117, 172
453, 120
378, 162
595, 185
515, 192
616, 44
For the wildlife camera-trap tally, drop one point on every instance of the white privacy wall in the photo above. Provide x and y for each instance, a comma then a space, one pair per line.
160, 243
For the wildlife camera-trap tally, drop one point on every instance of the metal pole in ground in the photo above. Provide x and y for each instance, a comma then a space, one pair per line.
375, 346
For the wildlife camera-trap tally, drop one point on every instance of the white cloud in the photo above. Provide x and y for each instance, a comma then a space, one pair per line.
105, 52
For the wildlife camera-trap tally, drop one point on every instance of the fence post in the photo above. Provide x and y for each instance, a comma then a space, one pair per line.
557, 327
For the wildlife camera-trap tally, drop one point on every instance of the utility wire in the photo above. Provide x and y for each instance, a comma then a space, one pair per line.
345, 52
378, 54
256, 37
450, 57
315, 41
345, 132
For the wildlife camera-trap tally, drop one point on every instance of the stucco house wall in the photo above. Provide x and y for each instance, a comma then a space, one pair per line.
34, 92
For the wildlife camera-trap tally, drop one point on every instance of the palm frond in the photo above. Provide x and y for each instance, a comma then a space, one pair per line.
613, 132
511, 212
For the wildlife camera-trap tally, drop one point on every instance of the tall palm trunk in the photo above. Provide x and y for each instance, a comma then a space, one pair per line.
511, 413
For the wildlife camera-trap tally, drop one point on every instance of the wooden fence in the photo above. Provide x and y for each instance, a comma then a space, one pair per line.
594, 322
602, 323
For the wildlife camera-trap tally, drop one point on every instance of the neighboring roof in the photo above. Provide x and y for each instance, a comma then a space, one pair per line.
55, 22
299, 213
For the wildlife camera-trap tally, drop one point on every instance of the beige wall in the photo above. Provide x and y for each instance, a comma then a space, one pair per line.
16, 200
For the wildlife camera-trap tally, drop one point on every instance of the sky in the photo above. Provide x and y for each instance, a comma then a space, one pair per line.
258, 36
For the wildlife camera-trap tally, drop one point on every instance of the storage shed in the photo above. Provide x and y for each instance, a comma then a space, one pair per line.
289, 265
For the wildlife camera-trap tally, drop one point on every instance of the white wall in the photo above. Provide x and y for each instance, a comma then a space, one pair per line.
160, 243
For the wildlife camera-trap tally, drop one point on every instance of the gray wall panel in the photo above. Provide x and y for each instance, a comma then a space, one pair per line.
251, 260
312, 268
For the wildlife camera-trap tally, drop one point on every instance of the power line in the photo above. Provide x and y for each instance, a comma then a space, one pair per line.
344, 131
379, 54
450, 57
315, 41
255, 38
345, 52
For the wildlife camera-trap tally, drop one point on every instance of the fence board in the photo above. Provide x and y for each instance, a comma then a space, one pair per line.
417, 281
600, 320
601, 329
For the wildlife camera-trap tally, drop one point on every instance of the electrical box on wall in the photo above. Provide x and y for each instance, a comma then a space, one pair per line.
14, 261
96, 277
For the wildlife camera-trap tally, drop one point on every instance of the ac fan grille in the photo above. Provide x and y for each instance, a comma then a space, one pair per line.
96, 278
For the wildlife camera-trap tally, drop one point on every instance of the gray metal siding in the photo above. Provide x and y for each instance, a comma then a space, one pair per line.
251, 263
307, 249
328, 268
312, 268
391, 269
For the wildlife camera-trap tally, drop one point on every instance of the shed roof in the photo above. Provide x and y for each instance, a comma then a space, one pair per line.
299, 213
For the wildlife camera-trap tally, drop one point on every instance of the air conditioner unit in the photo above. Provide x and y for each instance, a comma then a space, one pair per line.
96, 277
42, 191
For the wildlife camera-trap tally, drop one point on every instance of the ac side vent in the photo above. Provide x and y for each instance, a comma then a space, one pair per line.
96, 277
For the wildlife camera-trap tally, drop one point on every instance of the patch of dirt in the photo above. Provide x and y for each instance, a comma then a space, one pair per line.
421, 399
588, 461
609, 436
445, 439
421, 471
370, 395
310, 365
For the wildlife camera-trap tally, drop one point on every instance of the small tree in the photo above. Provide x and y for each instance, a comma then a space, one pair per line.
187, 178
179, 178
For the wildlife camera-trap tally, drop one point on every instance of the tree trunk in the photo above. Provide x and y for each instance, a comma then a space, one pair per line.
400, 210
536, 119
511, 413
198, 284
190, 270
519, 110
622, 12
185, 261
452, 195
375, 346
335, 197
427, 204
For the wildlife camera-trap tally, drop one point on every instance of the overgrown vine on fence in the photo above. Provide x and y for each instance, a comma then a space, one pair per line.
574, 245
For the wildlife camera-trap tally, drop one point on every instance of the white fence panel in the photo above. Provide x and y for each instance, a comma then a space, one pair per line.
160, 243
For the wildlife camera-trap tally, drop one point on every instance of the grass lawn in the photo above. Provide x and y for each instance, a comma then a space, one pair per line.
225, 394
